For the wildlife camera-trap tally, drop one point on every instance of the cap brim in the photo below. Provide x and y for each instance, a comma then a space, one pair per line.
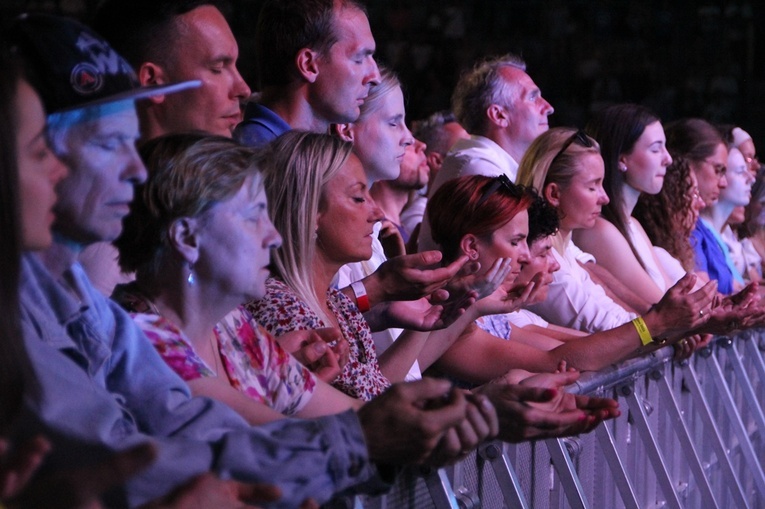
141, 93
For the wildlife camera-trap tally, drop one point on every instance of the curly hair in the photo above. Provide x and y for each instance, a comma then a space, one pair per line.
666, 217
543, 220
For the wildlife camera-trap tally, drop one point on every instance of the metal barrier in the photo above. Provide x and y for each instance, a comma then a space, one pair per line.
690, 435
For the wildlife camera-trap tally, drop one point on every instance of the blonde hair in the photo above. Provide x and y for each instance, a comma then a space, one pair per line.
377, 92
296, 167
542, 164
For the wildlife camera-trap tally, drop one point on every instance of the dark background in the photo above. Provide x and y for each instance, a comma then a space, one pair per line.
681, 58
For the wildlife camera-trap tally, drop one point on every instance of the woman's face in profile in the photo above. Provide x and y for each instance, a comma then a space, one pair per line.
581, 200
39, 170
647, 162
236, 239
738, 192
507, 241
347, 216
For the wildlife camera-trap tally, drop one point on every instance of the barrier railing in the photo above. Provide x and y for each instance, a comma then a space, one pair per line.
691, 435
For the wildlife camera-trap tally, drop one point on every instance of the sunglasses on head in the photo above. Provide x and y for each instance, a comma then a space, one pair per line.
498, 182
580, 137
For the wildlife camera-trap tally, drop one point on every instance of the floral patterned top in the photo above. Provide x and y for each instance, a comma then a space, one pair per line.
253, 361
282, 310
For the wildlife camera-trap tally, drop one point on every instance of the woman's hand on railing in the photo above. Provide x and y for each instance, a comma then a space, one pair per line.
529, 413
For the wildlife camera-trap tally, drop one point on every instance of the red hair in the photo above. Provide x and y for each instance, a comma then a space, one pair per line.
469, 205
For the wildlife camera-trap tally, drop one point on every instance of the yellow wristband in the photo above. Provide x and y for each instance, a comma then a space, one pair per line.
642, 330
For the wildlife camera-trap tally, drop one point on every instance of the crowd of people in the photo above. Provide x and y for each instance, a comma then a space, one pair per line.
218, 298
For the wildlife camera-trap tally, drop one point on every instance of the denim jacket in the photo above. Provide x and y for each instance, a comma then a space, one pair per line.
101, 382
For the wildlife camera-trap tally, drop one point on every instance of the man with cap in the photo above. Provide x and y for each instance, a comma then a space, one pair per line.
100, 379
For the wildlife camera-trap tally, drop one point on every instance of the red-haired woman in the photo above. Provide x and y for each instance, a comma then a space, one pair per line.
486, 218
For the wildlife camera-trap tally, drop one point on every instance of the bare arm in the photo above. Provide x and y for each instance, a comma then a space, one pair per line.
325, 400
613, 253
557, 332
479, 357
618, 291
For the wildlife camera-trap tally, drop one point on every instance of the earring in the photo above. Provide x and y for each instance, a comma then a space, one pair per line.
190, 279
623, 168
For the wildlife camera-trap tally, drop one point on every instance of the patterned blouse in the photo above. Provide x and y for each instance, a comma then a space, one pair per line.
282, 310
496, 325
253, 361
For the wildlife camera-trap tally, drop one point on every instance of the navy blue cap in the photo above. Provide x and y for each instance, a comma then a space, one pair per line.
73, 67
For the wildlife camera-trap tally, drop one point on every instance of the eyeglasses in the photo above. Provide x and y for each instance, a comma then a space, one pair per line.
752, 161
580, 137
500, 181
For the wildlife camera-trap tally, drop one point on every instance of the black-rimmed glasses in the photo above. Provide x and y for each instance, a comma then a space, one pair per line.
580, 137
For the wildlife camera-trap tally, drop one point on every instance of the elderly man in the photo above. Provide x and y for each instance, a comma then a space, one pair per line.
315, 63
504, 111
100, 380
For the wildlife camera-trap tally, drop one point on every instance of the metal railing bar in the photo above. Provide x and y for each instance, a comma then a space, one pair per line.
651, 447
507, 478
737, 424
619, 473
569, 479
440, 489
683, 435
713, 436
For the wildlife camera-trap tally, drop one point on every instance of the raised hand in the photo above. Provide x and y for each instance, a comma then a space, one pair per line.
681, 309
410, 277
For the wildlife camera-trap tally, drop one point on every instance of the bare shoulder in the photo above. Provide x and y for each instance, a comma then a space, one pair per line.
603, 235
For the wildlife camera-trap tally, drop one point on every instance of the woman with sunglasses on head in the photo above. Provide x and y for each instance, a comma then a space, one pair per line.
566, 167
486, 218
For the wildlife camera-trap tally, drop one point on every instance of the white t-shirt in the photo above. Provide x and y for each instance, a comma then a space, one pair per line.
574, 300
476, 155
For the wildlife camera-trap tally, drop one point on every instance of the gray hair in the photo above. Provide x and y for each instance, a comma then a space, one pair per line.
480, 87
431, 132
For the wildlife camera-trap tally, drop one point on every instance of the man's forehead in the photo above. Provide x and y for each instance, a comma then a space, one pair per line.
352, 26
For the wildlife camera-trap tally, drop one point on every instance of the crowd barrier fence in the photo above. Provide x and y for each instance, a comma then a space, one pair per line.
690, 436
